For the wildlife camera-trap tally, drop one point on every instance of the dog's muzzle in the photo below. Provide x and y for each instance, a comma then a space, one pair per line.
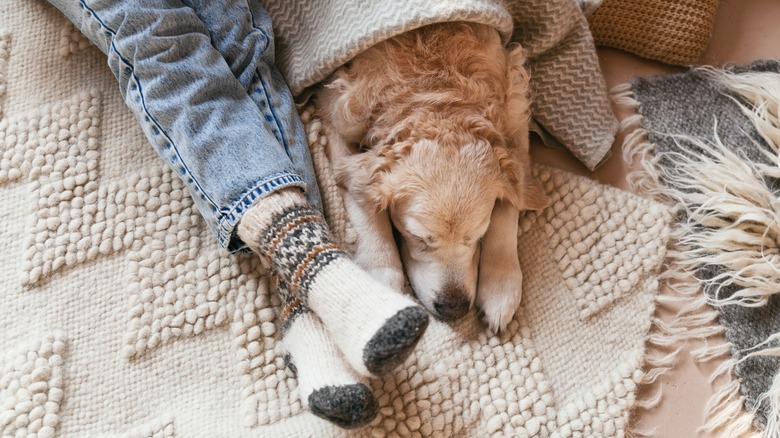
452, 302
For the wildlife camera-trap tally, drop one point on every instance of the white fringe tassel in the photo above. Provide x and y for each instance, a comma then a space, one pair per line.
733, 220
772, 397
688, 321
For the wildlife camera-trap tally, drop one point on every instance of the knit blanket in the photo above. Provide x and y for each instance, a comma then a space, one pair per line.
121, 316
315, 37
708, 143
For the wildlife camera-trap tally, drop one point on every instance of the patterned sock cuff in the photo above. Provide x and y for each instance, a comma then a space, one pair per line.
291, 307
257, 219
298, 244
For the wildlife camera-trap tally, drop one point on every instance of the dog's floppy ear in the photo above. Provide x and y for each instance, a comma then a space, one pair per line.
365, 175
349, 108
533, 196
519, 187
349, 104
518, 99
522, 190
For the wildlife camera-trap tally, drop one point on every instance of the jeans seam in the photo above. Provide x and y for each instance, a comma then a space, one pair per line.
259, 29
267, 185
273, 113
146, 110
283, 137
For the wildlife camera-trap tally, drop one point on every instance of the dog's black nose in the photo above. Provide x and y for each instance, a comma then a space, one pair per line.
452, 303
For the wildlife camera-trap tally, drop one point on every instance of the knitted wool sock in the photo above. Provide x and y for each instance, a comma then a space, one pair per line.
375, 327
325, 383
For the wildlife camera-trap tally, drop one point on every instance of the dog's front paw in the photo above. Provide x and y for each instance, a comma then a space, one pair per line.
389, 276
498, 297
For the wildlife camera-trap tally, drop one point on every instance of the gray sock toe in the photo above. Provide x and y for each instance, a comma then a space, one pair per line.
393, 343
347, 406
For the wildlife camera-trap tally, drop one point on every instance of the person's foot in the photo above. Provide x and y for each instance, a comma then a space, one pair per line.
326, 385
375, 327
349, 406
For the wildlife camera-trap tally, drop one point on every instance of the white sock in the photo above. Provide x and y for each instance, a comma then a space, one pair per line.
326, 384
375, 327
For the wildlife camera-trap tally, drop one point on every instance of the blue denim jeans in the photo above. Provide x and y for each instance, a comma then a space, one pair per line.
200, 77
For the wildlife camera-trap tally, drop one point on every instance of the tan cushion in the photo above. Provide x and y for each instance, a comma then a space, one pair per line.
671, 31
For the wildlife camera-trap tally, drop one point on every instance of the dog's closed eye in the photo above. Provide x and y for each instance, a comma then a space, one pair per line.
422, 244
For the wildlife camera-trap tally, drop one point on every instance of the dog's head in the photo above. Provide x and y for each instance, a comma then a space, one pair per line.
440, 201
440, 166
440, 195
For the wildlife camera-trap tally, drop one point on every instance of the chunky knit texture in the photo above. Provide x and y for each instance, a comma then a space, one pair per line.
31, 377
162, 333
671, 31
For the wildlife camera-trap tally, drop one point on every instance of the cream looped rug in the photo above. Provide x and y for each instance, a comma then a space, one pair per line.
121, 316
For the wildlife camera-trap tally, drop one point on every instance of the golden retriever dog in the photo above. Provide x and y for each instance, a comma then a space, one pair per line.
428, 136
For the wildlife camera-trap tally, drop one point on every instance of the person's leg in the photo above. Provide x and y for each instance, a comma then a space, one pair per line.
326, 384
241, 31
195, 113
201, 120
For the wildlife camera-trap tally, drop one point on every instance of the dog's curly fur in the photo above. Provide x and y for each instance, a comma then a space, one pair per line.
429, 129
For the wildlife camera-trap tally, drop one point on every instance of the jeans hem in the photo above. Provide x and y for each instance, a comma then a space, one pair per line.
226, 225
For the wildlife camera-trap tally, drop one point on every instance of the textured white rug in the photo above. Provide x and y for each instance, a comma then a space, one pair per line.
119, 314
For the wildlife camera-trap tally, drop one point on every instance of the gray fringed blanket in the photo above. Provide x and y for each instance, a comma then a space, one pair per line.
709, 142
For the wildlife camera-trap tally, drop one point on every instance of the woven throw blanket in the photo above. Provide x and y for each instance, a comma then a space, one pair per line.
315, 37
709, 143
121, 316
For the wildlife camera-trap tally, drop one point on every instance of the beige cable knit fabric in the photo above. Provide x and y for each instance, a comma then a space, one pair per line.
121, 316
570, 106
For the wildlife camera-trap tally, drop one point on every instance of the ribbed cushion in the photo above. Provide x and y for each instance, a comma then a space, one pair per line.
671, 31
